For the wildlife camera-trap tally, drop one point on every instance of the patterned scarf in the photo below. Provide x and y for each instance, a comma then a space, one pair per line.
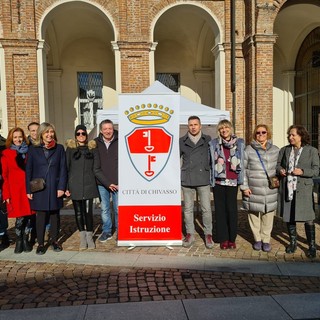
220, 160
22, 149
292, 180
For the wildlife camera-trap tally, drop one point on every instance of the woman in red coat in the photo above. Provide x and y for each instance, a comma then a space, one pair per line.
14, 192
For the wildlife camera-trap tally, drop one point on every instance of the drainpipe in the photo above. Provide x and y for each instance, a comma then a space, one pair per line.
233, 61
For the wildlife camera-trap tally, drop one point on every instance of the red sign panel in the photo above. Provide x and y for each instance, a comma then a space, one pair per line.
149, 223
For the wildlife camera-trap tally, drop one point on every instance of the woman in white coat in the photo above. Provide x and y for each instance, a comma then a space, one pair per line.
260, 159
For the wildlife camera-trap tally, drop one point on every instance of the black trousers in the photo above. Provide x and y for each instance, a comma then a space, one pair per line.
41, 222
83, 210
226, 212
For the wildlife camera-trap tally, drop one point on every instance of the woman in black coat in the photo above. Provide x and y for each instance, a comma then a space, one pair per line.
83, 165
47, 159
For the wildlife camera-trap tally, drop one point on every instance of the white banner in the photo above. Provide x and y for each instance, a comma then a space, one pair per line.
149, 170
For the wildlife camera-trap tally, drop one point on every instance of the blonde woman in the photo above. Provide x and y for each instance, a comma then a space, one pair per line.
227, 151
47, 160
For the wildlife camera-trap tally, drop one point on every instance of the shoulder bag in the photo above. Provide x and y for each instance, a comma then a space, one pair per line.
38, 184
273, 182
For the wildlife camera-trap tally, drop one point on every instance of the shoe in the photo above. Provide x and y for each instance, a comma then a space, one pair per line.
257, 246
56, 246
105, 236
266, 247
232, 245
41, 249
209, 242
188, 240
224, 245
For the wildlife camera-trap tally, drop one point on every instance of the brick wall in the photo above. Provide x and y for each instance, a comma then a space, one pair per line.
132, 18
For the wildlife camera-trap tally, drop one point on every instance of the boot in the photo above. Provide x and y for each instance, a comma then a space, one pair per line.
292, 231
19, 245
4, 241
310, 233
27, 247
83, 240
91, 244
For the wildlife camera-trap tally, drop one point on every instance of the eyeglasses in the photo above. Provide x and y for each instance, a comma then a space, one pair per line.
80, 134
261, 132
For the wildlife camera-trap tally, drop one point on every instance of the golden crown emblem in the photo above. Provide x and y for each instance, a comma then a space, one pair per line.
149, 114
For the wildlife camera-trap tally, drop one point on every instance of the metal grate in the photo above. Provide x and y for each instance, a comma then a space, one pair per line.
90, 97
170, 80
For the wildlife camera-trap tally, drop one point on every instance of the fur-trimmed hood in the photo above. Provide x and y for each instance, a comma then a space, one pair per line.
72, 144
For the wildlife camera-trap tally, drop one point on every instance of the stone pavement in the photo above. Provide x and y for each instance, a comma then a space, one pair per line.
159, 283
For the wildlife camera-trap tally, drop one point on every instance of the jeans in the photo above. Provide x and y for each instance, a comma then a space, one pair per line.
205, 203
105, 195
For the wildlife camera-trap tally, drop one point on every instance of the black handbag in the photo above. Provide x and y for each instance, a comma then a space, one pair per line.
38, 184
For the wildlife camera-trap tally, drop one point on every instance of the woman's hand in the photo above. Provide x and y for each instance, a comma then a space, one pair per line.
297, 172
60, 193
283, 172
247, 192
30, 196
67, 193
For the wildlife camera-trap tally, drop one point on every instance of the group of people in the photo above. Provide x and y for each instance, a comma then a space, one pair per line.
226, 164
75, 172
88, 169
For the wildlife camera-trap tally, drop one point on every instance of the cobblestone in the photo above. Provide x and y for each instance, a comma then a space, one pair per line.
36, 285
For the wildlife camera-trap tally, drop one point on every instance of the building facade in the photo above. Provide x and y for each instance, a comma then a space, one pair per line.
62, 60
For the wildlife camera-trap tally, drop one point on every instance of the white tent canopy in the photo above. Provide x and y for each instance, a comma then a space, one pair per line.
208, 115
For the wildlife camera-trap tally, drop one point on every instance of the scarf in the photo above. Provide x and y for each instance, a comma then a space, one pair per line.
292, 180
220, 160
196, 138
50, 145
22, 149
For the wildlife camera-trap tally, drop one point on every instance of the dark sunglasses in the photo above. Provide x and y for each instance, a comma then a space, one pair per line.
261, 132
80, 134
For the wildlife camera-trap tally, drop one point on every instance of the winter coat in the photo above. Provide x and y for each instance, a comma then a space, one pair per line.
56, 179
213, 144
83, 163
108, 159
309, 163
262, 199
14, 184
195, 169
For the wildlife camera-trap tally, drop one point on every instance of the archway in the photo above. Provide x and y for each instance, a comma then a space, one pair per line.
189, 57
78, 64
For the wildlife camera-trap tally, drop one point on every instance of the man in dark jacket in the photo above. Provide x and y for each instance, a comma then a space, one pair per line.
195, 177
107, 143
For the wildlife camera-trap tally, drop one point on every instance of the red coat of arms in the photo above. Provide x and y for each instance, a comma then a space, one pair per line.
149, 149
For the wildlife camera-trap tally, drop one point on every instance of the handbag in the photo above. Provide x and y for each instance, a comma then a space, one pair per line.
38, 184
273, 182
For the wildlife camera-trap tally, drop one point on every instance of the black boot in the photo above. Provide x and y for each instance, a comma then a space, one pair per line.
4, 241
311, 234
19, 245
27, 247
292, 231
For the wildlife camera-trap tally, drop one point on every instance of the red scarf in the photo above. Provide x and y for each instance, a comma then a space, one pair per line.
50, 145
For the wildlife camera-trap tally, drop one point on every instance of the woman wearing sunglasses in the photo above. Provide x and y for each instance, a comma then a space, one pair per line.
259, 200
83, 165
